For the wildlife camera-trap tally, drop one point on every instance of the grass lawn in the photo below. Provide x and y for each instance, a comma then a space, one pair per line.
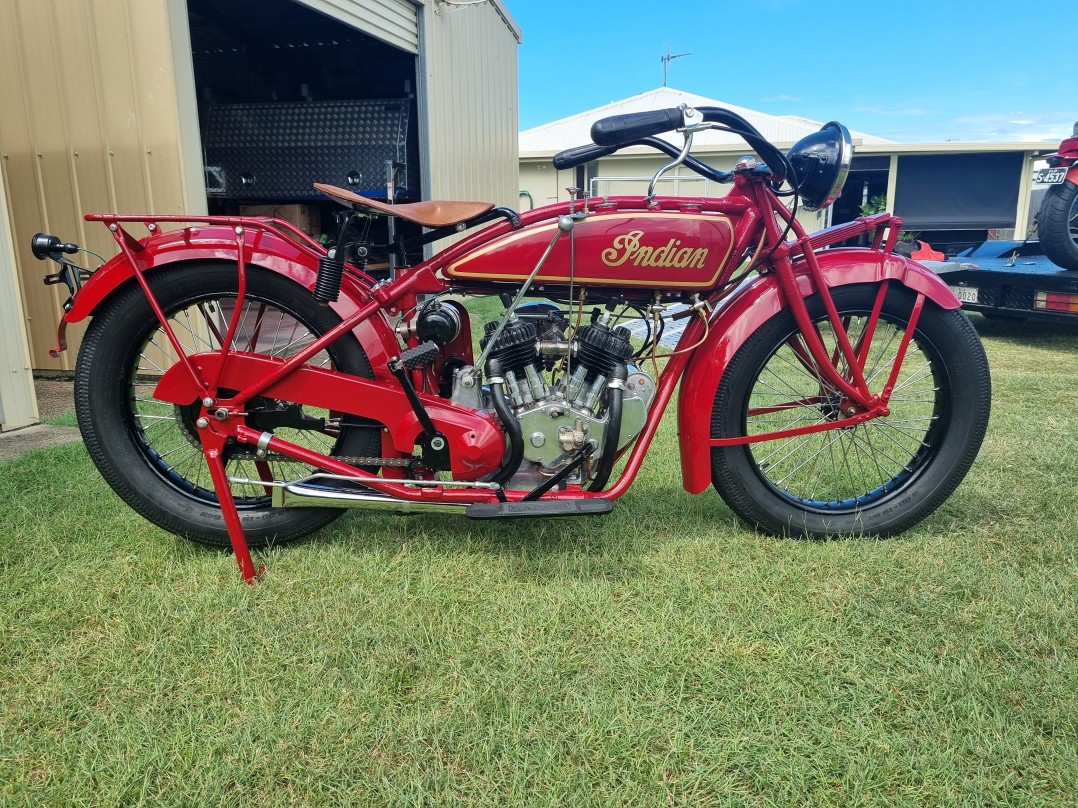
663, 655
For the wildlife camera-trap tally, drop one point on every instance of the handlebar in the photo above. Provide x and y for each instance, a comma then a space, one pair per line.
571, 158
578, 155
774, 158
619, 130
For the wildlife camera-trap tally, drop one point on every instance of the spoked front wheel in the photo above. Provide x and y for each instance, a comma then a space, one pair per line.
149, 450
879, 477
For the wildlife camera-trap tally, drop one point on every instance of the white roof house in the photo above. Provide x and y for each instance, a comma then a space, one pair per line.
982, 189
629, 171
548, 139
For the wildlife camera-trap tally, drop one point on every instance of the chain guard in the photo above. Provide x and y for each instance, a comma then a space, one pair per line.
290, 416
395, 462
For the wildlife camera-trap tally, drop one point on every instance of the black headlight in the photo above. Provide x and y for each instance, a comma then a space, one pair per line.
822, 161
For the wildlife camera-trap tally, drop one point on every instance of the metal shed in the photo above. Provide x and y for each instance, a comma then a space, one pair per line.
106, 102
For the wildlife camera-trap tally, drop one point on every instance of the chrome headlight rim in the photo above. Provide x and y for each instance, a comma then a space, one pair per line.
835, 139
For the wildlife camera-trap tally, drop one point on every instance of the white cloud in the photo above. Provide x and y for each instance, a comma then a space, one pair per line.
892, 111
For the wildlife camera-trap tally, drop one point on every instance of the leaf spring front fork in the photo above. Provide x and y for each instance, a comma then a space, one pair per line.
860, 404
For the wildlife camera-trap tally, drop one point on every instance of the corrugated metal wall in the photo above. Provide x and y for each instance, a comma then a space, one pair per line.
18, 406
469, 67
89, 124
392, 21
91, 93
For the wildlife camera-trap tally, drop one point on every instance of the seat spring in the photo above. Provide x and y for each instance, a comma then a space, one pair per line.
327, 288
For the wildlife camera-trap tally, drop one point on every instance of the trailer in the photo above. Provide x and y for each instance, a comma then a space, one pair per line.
1012, 280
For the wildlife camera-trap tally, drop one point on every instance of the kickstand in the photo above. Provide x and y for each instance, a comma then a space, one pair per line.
212, 445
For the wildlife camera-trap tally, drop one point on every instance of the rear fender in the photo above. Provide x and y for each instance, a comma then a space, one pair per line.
1068, 149
263, 249
747, 310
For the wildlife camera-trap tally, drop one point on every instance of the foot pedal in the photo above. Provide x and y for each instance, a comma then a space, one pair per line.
550, 508
420, 356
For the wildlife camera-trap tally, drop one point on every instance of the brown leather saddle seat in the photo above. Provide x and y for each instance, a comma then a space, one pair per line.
426, 214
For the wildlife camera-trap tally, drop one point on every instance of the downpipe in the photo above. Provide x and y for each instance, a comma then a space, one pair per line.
509, 423
615, 390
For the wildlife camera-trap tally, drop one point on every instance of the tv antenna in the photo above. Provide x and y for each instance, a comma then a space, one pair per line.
667, 59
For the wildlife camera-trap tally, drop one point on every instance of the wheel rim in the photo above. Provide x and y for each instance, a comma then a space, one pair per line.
845, 469
166, 433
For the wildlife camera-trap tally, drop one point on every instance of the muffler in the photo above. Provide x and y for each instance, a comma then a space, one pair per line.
305, 495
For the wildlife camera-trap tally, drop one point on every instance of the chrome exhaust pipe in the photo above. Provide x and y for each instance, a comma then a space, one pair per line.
299, 495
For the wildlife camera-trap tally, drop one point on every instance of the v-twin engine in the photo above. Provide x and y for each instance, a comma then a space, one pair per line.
561, 392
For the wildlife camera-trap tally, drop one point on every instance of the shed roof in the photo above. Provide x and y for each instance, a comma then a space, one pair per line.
550, 138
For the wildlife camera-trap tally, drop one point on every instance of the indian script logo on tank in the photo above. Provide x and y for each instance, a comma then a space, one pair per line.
627, 250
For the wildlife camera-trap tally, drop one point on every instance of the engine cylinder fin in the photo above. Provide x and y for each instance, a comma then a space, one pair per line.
601, 348
515, 346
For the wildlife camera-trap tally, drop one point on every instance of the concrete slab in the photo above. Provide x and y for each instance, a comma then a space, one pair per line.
40, 436
54, 397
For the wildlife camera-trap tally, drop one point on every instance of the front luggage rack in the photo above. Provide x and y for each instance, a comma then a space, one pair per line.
878, 224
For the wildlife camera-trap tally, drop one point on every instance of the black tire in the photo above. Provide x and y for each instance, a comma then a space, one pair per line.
877, 478
1057, 223
148, 451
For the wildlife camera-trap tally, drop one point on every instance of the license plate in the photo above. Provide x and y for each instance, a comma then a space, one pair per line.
967, 294
1050, 176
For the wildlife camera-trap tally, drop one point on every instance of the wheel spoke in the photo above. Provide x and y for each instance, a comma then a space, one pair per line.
847, 466
169, 434
857, 472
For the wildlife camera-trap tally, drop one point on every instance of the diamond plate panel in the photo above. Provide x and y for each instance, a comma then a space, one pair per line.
277, 150
1017, 298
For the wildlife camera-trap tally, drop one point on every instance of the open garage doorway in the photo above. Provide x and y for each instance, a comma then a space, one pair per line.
288, 96
865, 189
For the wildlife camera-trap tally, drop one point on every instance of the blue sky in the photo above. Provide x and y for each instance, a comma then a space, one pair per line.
911, 71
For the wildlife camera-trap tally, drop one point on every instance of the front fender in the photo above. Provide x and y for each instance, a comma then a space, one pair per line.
262, 248
747, 310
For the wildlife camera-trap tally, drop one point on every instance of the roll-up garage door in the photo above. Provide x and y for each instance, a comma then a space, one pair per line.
395, 22
958, 191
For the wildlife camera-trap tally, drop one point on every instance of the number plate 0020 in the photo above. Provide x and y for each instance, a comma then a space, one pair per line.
967, 294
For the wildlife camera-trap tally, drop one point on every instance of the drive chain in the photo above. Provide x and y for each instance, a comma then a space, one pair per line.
396, 462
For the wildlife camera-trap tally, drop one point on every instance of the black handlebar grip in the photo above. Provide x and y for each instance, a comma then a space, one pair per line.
578, 155
620, 129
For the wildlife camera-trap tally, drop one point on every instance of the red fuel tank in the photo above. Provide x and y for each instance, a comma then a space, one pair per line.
665, 249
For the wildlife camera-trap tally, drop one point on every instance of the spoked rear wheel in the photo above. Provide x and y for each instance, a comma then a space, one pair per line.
879, 477
149, 450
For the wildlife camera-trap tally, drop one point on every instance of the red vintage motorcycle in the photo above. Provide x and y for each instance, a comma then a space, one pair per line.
240, 384
1057, 219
